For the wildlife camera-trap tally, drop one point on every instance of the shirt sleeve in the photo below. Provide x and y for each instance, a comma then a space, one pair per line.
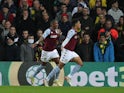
46, 33
70, 34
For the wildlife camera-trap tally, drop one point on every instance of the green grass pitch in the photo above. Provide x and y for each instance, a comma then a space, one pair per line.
41, 89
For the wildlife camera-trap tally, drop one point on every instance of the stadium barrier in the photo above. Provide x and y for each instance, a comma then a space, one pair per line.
91, 74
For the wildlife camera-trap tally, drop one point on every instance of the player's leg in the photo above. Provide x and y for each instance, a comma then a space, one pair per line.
54, 72
44, 59
77, 66
56, 60
62, 62
54, 56
41, 66
65, 57
56, 81
77, 59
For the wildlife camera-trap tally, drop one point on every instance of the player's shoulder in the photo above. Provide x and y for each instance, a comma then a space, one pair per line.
72, 30
48, 29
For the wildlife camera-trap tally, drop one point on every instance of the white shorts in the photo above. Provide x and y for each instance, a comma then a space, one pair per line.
67, 55
46, 56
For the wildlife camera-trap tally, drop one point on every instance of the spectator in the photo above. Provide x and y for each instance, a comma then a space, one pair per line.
78, 14
6, 15
11, 50
120, 47
5, 29
39, 47
80, 3
69, 4
27, 51
115, 12
36, 10
23, 5
96, 8
44, 23
12, 7
120, 25
12, 33
103, 50
97, 3
26, 3
25, 23
85, 49
87, 22
96, 13
111, 32
104, 12
24, 38
98, 26
64, 10
64, 24
48, 4
56, 7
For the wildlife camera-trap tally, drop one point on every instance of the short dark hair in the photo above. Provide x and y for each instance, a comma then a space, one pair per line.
25, 31
113, 1
63, 4
103, 34
5, 6
10, 37
30, 35
53, 21
74, 21
86, 33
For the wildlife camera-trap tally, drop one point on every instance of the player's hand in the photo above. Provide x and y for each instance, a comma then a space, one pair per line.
34, 45
108, 34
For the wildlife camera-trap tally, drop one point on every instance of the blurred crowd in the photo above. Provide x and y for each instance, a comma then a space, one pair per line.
101, 37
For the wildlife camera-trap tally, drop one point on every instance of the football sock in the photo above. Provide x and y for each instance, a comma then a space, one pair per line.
57, 75
38, 70
52, 73
74, 70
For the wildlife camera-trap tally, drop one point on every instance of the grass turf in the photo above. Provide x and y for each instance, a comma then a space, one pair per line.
31, 89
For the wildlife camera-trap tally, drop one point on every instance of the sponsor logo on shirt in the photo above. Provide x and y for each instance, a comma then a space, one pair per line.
53, 36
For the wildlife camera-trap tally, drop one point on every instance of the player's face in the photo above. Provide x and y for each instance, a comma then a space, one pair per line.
55, 25
78, 25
